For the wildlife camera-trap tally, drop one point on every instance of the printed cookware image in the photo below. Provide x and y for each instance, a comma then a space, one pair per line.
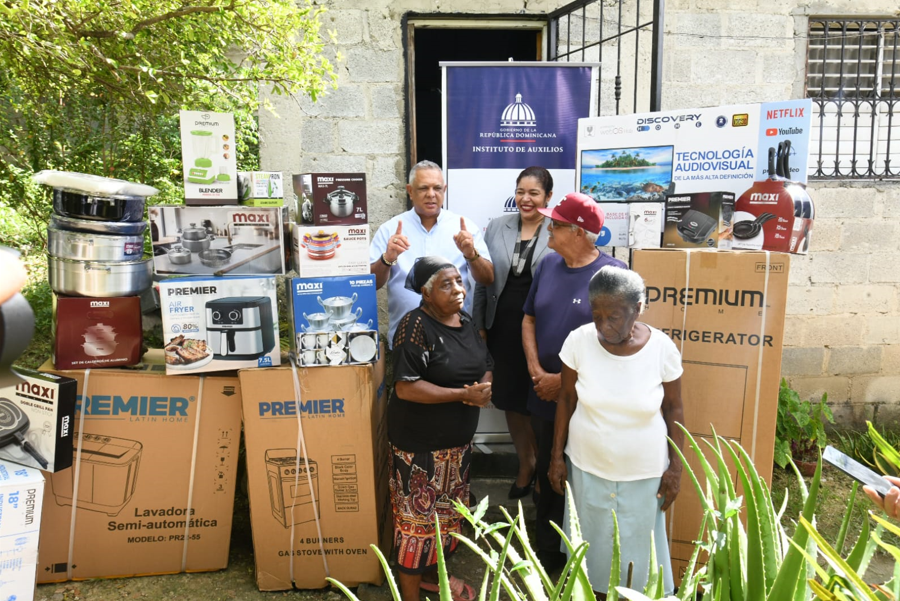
747, 229
346, 321
196, 239
318, 322
338, 306
340, 201
179, 255
320, 246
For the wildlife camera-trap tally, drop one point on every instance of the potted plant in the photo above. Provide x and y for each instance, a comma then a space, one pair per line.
800, 429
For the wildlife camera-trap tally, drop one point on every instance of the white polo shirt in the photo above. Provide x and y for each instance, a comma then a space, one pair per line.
423, 243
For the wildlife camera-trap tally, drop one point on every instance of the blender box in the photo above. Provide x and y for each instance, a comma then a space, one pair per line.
699, 220
331, 198
96, 332
219, 324
36, 421
219, 240
208, 153
21, 503
152, 487
261, 188
324, 251
317, 472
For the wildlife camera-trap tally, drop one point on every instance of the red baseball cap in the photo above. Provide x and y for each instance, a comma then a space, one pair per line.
578, 209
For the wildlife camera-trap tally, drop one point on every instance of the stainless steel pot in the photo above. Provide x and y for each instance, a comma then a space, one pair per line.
196, 239
102, 279
100, 207
91, 247
317, 321
348, 320
178, 255
338, 306
114, 228
357, 327
340, 201
215, 258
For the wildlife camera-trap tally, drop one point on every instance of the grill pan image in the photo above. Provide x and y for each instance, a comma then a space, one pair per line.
13, 426
695, 226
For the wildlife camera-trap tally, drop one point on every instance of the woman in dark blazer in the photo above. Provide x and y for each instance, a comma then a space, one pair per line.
517, 243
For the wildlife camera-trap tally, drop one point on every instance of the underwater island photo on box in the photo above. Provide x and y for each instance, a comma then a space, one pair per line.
623, 174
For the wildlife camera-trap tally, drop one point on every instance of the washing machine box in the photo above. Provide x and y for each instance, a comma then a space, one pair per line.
96, 332
699, 220
219, 324
36, 421
326, 251
331, 198
208, 152
21, 500
317, 468
152, 487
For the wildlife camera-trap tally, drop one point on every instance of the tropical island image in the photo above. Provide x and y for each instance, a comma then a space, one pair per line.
620, 174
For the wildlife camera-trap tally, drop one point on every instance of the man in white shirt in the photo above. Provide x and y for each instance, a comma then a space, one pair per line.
425, 230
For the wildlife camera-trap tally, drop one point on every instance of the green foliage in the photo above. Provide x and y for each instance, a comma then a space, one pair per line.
624, 161
861, 447
800, 426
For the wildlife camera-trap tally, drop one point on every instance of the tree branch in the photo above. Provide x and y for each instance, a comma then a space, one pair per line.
174, 14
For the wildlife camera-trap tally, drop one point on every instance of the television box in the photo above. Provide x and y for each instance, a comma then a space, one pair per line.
219, 324
208, 152
40, 408
21, 503
331, 198
96, 332
324, 251
156, 479
261, 188
699, 220
317, 469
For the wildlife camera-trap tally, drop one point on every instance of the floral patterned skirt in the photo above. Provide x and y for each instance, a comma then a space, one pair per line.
424, 485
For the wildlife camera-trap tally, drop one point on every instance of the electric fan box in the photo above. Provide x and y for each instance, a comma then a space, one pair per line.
331, 198
21, 500
96, 332
208, 151
336, 250
38, 411
155, 480
317, 469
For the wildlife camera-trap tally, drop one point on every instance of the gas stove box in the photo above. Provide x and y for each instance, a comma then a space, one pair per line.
208, 152
220, 240
324, 500
219, 324
96, 332
36, 421
331, 198
156, 479
699, 220
21, 500
261, 188
325, 251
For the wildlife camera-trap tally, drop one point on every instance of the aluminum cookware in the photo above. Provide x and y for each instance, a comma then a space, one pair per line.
341, 201
214, 257
83, 205
114, 228
101, 279
196, 239
317, 321
91, 247
338, 306
358, 327
342, 322
179, 255
92, 184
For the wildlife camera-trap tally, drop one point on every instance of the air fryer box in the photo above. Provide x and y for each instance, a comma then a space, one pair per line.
324, 251
38, 411
331, 198
725, 312
21, 501
156, 477
699, 220
261, 188
208, 152
219, 324
323, 499
96, 332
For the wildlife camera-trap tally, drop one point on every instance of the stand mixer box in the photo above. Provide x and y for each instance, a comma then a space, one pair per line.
325, 251
219, 324
208, 152
21, 501
96, 332
331, 198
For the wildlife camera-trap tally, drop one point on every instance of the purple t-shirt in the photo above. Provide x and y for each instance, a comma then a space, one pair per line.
558, 300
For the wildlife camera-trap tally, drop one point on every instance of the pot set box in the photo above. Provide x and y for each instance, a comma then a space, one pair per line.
317, 468
331, 198
699, 220
96, 332
219, 240
153, 490
725, 312
219, 324
323, 251
37, 412
21, 500
261, 188
208, 151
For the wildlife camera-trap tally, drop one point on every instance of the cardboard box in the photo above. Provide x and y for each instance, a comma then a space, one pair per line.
96, 332
331, 198
729, 326
260, 188
774, 215
21, 500
615, 224
319, 462
208, 151
219, 324
646, 221
699, 220
221, 240
156, 478
40, 407
331, 250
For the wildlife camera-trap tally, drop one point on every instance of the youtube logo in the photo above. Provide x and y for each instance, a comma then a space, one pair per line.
772, 131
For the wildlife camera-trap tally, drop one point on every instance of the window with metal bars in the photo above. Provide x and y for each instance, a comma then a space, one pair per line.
853, 79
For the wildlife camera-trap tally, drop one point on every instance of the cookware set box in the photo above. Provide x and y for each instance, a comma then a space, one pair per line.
322, 251
331, 198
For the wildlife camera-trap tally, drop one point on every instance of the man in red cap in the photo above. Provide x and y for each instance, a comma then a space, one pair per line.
557, 304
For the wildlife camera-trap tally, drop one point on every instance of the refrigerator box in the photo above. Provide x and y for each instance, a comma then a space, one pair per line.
153, 490
725, 312
645, 224
208, 148
261, 188
324, 251
21, 503
317, 468
699, 220
219, 240
331, 198
615, 224
219, 324
36, 421
96, 332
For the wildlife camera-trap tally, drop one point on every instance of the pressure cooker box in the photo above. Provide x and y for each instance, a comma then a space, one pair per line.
699, 220
208, 152
725, 312
331, 198
317, 468
21, 500
96, 332
219, 324
337, 250
36, 421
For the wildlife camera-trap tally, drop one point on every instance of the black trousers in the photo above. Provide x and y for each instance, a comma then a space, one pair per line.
549, 505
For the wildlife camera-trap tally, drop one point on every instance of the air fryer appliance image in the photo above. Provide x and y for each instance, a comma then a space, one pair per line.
695, 227
13, 426
293, 502
240, 328
109, 469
